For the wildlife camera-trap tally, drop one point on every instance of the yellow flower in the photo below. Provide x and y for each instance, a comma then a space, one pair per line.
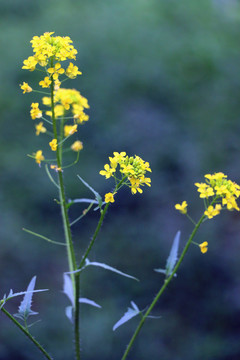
70, 129
107, 172
72, 71
77, 146
40, 128
182, 207
109, 197
30, 63
25, 87
211, 211
53, 144
204, 247
56, 71
45, 83
35, 112
38, 157
56, 168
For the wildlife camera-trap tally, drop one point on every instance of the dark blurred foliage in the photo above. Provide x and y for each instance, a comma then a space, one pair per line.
162, 79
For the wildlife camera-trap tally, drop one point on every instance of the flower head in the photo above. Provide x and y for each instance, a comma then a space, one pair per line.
45, 83
223, 192
133, 169
35, 112
25, 87
53, 144
77, 146
40, 128
182, 207
109, 197
72, 71
70, 130
38, 157
204, 247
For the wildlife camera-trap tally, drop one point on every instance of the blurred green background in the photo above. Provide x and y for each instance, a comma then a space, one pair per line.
162, 79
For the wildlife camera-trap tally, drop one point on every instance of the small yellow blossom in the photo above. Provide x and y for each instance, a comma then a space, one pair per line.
72, 71
109, 197
204, 247
30, 63
53, 144
25, 87
35, 112
56, 168
70, 130
77, 146
45, 83
38, 157
107, 172
211, 211
56, 71
182, 207
40, 128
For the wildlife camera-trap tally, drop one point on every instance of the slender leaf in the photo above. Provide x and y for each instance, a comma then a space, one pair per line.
172, 259
89, 302
24, 309
69, 312
131, 312
97, 195
68, 288
104, 266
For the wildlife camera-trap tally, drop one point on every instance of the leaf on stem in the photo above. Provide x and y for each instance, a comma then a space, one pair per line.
97, 195
89, 302
24, 310
131, 312
172, 259
68, 290
104, 266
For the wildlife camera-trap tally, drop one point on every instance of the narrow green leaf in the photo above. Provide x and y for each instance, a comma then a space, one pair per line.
131, 312
172, 259
43, 237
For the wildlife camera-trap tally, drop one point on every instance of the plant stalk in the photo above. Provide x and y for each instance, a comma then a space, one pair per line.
166, 282
67, 230
44, 352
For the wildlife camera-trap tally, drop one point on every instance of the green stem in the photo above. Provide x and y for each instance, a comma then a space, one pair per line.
103, 213
167, 281
67, 229
26, 332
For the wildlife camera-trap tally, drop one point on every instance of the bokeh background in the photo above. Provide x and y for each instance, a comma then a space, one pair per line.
163, 82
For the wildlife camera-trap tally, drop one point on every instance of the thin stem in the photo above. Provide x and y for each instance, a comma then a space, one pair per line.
167, 281
26, 332
67, 229
103, 213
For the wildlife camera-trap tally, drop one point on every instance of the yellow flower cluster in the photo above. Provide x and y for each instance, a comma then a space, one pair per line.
133, 169
68, 99
47, 47
223, 192
218, 192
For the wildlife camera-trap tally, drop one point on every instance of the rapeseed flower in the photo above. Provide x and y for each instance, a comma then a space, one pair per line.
35, 112
46, 82
40, 128
77, 146
72, 71
109, 197
70, 130
53, 144
132, 170
203, 247
182, 207
25, 87
38, 156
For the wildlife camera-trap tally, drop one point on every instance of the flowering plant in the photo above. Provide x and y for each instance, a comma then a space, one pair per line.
59, 117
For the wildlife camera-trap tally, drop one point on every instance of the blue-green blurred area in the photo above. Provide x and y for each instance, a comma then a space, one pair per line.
163, 82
